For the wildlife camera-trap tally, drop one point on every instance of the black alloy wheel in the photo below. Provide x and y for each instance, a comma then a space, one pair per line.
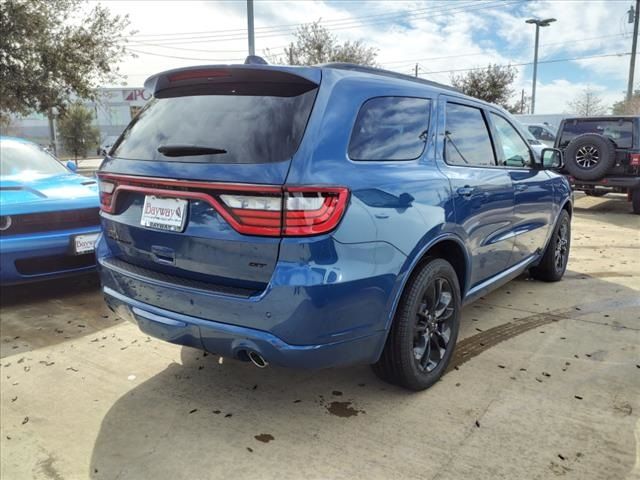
423, 335
433, 325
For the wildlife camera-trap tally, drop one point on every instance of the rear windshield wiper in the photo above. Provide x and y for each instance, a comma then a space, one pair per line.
188, 150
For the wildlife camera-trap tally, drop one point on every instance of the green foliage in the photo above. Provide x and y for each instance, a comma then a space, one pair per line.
50, 52
314, 44
492, 84
628, 107
77, 131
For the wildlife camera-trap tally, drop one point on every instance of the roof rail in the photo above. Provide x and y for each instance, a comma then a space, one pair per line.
386, 73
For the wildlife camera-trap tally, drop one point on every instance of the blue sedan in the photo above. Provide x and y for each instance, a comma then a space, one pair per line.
49, 215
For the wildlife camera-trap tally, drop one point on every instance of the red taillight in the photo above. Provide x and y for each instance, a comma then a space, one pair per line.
249, 209
299, 211
634, 159
252, 213
312, 211
107, 189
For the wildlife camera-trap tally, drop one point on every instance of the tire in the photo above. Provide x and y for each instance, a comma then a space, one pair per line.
589, 156
413, 356
635, 201
552, 267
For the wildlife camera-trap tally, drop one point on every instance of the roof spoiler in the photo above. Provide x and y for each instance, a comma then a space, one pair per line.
254, 71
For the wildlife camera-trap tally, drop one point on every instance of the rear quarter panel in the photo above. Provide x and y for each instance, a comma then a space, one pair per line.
402, 205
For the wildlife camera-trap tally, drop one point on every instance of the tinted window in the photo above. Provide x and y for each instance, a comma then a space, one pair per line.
513, 151
468, 141
390, 128
250, 128
536, 131
17, 158
620, 131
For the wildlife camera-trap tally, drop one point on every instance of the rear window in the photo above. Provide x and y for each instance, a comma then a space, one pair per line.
619, 131
390, 128
239, 128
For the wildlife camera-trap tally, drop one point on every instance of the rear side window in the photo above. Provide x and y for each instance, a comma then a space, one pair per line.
619, 131
233, 128
390, 128
467, 137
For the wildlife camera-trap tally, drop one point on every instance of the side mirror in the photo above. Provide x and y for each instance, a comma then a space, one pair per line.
551, 158
72, 166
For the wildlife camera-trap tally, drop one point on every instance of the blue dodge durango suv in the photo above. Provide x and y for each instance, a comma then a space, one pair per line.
322, 216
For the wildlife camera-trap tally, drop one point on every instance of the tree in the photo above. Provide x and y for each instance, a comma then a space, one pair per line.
522, 105
314, 44
491, 84
77, 131
628, 107
587, 104
49, 52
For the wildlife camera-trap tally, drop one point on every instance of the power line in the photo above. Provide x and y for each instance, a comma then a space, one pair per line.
224, 60
555, 60
295, 25
457, 8
206, 50
471, 54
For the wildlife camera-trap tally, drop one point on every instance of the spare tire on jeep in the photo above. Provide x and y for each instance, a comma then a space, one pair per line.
589, 156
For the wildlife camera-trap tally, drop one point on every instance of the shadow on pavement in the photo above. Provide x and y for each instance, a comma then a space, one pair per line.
49, 289
217, 420
611, 204
40, 314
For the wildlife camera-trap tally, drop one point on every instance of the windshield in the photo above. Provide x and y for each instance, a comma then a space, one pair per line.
219, 128
20, 159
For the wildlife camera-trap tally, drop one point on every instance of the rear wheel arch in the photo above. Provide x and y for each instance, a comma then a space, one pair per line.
449, 248
454, 253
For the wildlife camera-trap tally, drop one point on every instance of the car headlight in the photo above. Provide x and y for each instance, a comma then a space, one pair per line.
5, 222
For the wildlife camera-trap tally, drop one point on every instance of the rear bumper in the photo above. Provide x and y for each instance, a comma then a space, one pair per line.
235, 341
313, 314
44, 245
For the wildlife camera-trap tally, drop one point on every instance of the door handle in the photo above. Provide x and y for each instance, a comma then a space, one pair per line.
163, 255
521, 187
465, 191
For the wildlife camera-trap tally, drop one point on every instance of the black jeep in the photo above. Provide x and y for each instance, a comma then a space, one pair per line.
602, 155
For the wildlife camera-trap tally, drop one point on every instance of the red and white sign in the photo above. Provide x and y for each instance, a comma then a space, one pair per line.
138, 94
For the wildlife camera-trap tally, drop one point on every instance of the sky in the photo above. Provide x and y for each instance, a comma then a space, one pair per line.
591, 38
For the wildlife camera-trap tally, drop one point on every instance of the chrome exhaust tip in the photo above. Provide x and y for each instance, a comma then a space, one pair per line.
257, 359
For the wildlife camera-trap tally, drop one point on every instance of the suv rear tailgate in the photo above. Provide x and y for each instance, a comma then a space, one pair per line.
227, 136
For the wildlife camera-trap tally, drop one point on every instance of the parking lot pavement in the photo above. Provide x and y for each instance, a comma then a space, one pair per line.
545, 383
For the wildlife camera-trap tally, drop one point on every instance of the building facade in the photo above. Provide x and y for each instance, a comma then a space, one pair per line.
113, 111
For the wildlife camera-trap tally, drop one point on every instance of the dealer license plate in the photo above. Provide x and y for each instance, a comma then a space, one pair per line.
164, 213
85, 243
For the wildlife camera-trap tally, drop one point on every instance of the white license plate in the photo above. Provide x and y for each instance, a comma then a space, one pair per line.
164, 213
85, 243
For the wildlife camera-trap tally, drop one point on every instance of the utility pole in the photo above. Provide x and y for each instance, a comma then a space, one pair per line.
634, 14
538, 23
522, 102
416, 70
252, 44
53, 137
